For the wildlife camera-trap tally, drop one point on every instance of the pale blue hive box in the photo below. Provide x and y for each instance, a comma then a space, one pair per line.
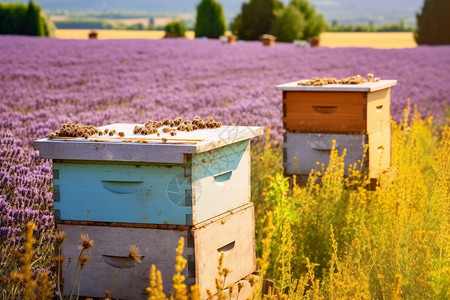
192, 177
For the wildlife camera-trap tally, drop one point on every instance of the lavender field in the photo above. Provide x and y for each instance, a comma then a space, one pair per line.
47, 82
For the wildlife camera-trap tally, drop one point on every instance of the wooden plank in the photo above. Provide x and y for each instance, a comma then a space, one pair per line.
325, 112
379, 151
158, 247
112, 245
310, 148
122, 193
363, 87
220, 184
208, 185
378, 110
132, 147
235, 237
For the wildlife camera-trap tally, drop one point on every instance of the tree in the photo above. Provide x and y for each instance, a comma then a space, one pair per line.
315, 23
433, 23
210, 19
256, 18
18, 18
175, 29
290, 25
34, 24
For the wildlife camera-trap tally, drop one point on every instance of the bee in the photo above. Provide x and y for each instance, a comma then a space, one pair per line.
111, 133
177, 121
166, 129
137, 129
100, 133
121, 134
51, 136
173, 133
189, 128
187, 122
159, 124
166, 121
181, 127
194, 127
106, 131
157, 134
164, 140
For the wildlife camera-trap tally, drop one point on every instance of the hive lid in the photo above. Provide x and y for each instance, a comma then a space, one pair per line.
140, 148
362, 87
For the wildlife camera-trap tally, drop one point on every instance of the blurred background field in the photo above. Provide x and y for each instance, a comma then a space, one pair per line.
82, 34
327, 39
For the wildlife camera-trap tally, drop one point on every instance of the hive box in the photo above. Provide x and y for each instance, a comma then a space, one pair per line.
338, 108
231, 233
351, 114
310, 148
185, 180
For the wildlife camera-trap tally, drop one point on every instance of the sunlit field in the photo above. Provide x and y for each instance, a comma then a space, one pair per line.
105, 34
327, 39
368, 39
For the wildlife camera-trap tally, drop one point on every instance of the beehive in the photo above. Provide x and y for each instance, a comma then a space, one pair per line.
351, 114
185, 180
231, 233
150, 191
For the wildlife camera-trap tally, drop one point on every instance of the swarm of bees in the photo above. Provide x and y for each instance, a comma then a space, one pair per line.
74, 130
150, 127
347, 80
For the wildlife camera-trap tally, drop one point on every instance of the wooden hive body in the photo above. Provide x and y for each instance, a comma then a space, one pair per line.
207, 185
231, 233
353, 115
124, 182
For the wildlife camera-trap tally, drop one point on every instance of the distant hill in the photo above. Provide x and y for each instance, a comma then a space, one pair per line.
344, 11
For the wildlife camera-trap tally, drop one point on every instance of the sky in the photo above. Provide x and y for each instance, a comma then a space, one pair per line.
378, 10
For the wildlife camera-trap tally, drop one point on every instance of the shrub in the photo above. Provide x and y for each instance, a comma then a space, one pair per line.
290, 25
433, 23
210, 19
175, 29
315, 23
255, 19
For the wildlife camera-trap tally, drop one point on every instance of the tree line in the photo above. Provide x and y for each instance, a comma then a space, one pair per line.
296, 20
21, 19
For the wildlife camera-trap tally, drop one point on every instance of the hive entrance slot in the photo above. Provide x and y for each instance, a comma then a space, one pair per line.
121, 187
123, 262
223, 177
325, 109
227, 247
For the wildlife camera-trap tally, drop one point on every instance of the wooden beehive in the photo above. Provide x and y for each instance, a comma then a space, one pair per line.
231, 39
231, 233
268, 40
361, 111
93, 35
134, 179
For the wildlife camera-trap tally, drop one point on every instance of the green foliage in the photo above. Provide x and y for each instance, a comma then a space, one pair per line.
210, 19
17, 18
34, 25
290, 25
256, 18
83, 24
393, 27
433, 23
175, 29
389, 243
315, 23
